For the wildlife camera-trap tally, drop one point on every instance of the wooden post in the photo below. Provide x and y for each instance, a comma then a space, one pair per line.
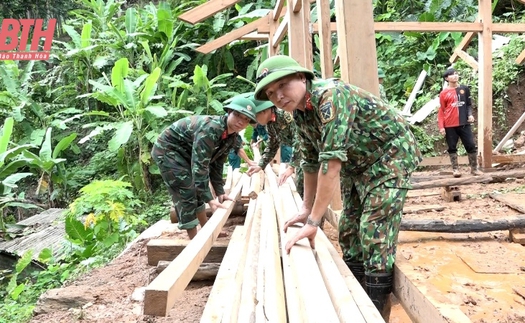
325, 38
485, 85
357, 45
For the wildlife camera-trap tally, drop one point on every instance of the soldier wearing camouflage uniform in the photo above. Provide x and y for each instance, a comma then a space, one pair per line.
347, 132
191, 153
281, 130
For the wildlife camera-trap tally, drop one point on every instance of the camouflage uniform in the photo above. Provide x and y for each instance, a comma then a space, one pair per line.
190, 154
378, 153
283, 132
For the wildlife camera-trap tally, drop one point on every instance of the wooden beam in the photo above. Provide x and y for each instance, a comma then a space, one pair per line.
297, 5
416, 304
402, 26
508, 159
442, 161
168, 249
254, 36
520, 58
206, 271
471, 61
231, 36
510, 133
281, 31
485, 85
299, 40
357, 44
462, 226
462, 46
278, 9
206, 10
161, 294
325, 38
452, 182
223, 290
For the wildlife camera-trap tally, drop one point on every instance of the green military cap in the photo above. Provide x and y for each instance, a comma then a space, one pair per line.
260, 105
275, 68
380, 73
243, 105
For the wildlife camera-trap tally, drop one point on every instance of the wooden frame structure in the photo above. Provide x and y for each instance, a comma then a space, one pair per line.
358, 55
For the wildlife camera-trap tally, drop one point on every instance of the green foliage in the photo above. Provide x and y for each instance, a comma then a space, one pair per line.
101, 217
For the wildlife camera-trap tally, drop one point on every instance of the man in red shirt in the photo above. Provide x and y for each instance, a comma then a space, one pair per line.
454, 119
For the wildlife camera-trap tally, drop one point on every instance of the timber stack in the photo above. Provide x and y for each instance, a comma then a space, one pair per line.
256, 280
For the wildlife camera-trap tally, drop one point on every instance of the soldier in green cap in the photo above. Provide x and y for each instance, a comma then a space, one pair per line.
191, 153
281, 131
352, 137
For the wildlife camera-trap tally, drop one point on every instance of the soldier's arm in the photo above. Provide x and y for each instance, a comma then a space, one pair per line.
202, 151
271, 149
216, 169
337, 114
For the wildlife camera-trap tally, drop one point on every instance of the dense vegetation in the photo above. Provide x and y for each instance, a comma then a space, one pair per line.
77, 129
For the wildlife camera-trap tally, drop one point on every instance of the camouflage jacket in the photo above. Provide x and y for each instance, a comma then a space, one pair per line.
373, 140
204, 143
281, 131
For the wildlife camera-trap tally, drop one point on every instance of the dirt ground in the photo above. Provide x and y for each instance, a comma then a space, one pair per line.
441, 264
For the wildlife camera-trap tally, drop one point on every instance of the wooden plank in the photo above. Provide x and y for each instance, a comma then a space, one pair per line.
442, 161
206, 271
294, 306
246, 309
367, 309
278, 9
485, 85
509, 133
507, 201
274, 300
422, 208
452, 182
233, 298
357, 54
418, 307
462, 46
163, 291
471, 61
206, 10
508, 159
222, 291
318, 306
462, 226
168, 249
325, 38
345, 303
297, 5
402, 26
418, 194
520, 58
231, 36
281, 31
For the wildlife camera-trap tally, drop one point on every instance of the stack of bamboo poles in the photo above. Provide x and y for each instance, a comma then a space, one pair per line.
258, 282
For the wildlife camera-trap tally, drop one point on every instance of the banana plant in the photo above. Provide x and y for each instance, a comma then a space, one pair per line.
10, 163
135, 118
47, 161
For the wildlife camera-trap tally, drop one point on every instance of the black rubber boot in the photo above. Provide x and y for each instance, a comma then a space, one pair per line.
378, 288
358, 270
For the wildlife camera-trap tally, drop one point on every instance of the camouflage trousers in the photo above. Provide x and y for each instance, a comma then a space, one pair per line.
176, 174
299, 180
368, 228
